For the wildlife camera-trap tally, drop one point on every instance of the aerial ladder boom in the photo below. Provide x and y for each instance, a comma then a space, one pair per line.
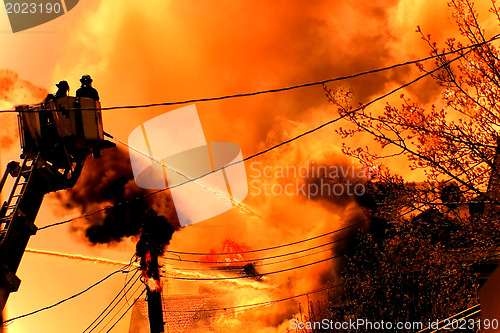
56, 138
18, 214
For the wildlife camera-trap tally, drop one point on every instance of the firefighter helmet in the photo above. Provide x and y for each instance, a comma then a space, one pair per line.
62, 85
86, 79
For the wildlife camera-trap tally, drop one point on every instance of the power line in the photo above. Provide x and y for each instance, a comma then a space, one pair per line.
288, 269
112, 301
299, 257
117, 312
10, 320
408, 212
259, 265
341, 78
453, 316
325, 234
262, 258
252, 156
303, 134
258, 304
271, 257
275, 146
128, 309
458, 321
121, 270
273, 247
298, 86
311, 130
293, 243
257, 275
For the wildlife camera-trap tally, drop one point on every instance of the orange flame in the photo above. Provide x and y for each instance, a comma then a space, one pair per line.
154, 285
233, 256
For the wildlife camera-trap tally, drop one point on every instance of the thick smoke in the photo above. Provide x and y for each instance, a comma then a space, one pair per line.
108, 181
180, 51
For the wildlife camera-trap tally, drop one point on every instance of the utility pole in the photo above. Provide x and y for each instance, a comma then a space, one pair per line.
149, 248
155, 306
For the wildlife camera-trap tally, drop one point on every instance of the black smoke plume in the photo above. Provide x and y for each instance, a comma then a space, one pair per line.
107, 182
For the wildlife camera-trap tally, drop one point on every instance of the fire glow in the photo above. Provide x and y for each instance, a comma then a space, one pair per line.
232, 254
154, 285
299, 44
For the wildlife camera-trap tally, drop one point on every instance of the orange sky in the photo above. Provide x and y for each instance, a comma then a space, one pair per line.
160, 51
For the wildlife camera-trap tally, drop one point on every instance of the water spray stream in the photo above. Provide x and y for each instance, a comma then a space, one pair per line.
172, 272
82, 258
244, 283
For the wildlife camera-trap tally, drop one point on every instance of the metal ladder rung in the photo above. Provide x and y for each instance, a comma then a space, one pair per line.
5, 219
18, 189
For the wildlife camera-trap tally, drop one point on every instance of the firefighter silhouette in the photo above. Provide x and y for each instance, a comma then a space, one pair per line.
86, 90
63, 88
62, 91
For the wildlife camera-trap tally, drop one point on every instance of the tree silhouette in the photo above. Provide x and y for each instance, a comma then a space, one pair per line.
427, 240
